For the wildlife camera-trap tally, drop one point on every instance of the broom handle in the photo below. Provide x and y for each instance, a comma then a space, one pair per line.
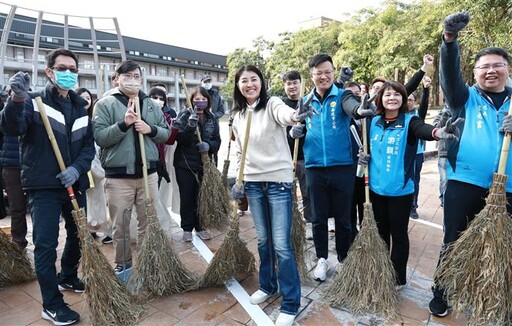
142, 151
244, 147
296, 142
366, 172
56, 150
505, 147
189, 104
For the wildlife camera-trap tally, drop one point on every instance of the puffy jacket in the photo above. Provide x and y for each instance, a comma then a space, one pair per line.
73, 133
186, 155
10, 154
120, 149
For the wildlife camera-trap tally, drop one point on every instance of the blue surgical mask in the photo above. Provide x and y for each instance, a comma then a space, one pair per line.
65, 79
207, 86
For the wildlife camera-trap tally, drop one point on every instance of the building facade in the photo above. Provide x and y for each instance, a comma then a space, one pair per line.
27, 36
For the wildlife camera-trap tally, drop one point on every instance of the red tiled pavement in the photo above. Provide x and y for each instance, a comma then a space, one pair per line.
21, 304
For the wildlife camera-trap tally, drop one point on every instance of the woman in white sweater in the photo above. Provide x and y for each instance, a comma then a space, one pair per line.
267, 182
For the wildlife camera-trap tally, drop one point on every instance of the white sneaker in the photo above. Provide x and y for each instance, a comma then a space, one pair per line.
285, 319
259, 297
320, 272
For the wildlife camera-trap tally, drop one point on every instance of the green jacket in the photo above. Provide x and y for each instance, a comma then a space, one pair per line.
120, 149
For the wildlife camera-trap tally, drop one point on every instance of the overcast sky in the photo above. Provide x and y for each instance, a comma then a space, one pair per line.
217, 26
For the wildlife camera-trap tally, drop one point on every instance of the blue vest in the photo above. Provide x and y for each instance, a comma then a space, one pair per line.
391, 170
476, 157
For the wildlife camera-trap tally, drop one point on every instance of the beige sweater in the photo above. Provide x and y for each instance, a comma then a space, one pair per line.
268, 156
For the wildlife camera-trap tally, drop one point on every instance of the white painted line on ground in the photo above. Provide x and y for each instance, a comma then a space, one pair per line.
434, 225
255, 312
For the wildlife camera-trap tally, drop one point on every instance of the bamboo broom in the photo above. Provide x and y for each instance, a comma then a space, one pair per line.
476, 271
225, 168
15, 267
365, 282
298, 233
233, 257
159, 270
108, 298
213, 201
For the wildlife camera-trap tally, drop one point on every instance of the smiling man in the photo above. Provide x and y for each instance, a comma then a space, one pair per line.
471, 162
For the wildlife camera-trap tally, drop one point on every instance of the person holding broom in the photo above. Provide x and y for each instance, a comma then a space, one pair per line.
472, 162
42, 178
116, 130
267, 182
187, 158
393, 141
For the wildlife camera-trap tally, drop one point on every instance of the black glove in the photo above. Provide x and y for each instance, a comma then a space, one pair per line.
363, 158
297, 131
366, 108
162, 172
304, 110
20, 84
506, 124
4, 93
345, 75
192, 120
238, 193
450, 131
455, 22
68, 177
203, 147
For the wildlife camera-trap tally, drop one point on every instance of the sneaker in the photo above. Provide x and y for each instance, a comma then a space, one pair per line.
320, 272
120, 268
94, 235
187, 236
73, 284
438, 307
414, 214
259, 297
107, 240
240, 212
204, 235
62, 316
285, 319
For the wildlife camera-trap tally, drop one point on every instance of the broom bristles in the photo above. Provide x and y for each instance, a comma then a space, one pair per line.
15, 267
232, 259
213, 202
298, 237
365, 282
159, 270
108, 298
476, 271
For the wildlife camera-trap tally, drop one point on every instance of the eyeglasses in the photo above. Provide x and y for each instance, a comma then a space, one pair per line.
324, 73
130, 76
494, 66
63, 68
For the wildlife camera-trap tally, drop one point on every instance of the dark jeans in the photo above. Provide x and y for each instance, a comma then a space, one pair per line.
462, 202
357, 211
189, 191
17, 205
418, 164
47, 206
392, 217
330, 190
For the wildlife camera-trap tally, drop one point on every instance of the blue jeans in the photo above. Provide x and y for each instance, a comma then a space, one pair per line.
271, 208
46, 208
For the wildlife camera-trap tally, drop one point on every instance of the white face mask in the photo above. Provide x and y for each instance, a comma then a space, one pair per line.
159, 102
207, 86
131, 85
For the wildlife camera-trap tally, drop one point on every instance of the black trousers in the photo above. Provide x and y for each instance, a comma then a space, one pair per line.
188, 184
392, 217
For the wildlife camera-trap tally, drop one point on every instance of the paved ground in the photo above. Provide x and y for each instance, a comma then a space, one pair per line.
21, 304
